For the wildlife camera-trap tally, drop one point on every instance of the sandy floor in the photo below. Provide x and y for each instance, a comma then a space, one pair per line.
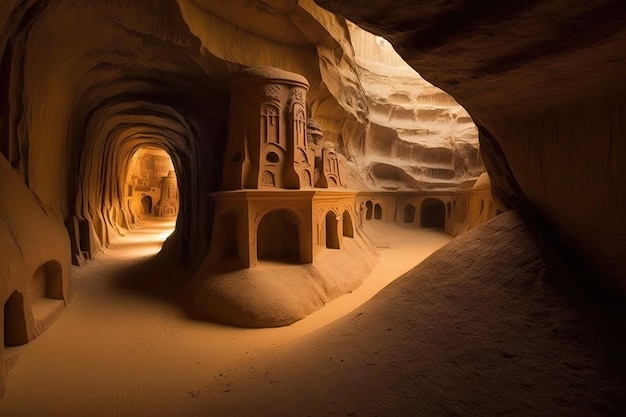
117, 351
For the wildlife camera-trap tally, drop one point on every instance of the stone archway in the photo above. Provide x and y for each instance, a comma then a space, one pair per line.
369, 210
433, 214
278, 237
378, 212
332, 234
348, 228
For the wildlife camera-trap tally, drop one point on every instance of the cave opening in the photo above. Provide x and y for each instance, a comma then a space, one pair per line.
152, 193
433, 214
15, 333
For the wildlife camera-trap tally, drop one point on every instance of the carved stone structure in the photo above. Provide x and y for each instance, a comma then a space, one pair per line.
269, 209
267, 143
167, 206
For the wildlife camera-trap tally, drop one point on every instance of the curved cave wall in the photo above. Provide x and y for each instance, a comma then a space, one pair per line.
543, 81
78, 102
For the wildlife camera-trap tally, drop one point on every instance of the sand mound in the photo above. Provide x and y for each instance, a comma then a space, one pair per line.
506, 333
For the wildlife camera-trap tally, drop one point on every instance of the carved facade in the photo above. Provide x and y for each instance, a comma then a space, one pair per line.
275, 205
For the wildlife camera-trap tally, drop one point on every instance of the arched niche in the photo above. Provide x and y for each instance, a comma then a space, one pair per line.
378, 212
15, 332
332, 234
409, 213
348, 227
278, 237
47, 282
369, 208
433, 214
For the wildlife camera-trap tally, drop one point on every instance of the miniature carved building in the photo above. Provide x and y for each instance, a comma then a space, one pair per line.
270, 209
151, 184
167, 206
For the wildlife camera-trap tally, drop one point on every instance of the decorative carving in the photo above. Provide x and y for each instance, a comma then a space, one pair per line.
270, 123
268, 179
331, 174
272, 91
166, 208
306, 178
297, 95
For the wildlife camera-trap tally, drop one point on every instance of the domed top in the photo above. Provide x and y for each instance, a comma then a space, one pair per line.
267, 74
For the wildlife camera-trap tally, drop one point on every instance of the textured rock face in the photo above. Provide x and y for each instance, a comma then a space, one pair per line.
544, 83
76, 107
418, 138
85, 83
34, 271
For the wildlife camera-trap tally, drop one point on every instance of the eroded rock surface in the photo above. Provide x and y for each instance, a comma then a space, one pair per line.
543, 82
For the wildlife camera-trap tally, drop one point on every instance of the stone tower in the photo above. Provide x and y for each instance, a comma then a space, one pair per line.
267, 142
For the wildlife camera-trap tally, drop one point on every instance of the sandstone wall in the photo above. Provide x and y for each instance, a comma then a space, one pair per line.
76, 103
544, 83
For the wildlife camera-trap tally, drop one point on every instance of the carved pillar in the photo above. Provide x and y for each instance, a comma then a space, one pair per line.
267, 143
331, 174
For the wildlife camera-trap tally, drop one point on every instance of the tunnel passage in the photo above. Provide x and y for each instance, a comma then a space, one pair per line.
278, 237
151, 184
137, 147
433, 214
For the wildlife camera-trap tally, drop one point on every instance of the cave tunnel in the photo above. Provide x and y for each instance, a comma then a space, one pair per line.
433, 214
75, 107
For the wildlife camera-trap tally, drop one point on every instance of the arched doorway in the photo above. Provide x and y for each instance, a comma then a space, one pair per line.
348, 228
368, 211
409, 213
15, 333
146, 204
433, 214
378, 212
332, 235
278, 237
